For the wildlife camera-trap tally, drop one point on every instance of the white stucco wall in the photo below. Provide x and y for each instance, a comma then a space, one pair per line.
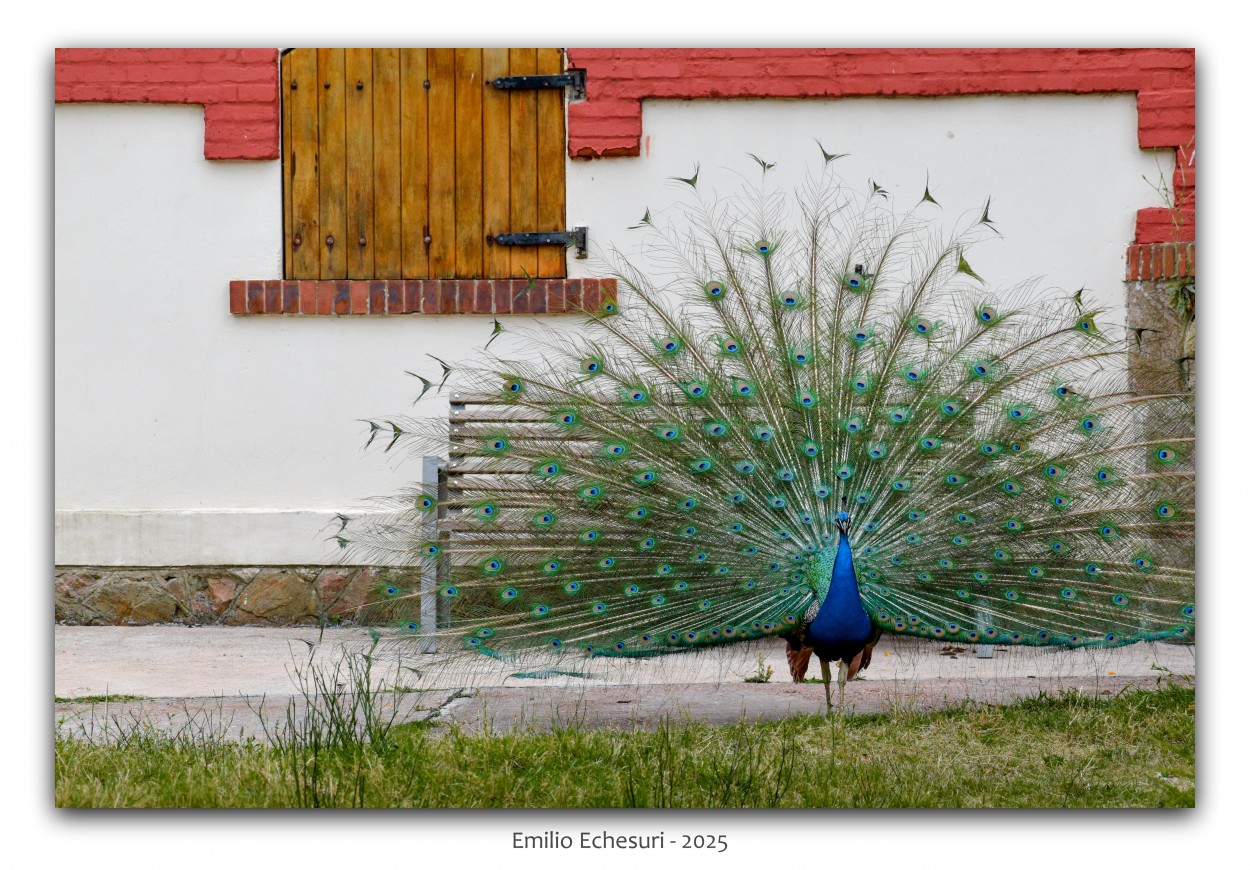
187, 436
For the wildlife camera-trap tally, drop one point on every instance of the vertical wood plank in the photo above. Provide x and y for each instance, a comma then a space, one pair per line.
523, 178
359, 243
552, 259
496, 157
442, 95
386, 171
468, 135
332, 162
301, 164
284, 96
414, 163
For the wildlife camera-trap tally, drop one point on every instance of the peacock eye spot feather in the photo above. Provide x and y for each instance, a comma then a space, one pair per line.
714, 289
763, 247
508, 594
987, 314
1166, 510
591, 365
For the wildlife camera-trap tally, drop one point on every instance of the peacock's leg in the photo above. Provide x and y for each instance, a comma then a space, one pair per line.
843, 667
824, 675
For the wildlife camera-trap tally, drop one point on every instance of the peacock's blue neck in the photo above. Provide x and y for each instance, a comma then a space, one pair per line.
841, 623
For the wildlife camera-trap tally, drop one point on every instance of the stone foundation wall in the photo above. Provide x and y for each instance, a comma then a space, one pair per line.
231, 595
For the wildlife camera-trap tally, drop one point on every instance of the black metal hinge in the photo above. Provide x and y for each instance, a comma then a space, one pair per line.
575, 79
574, 238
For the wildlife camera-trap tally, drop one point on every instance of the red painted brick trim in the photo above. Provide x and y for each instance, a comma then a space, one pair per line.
238, 88
472, 296
609, 122
1160, 262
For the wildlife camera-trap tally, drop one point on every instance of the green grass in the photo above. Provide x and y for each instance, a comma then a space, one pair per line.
1136, 749
100, 699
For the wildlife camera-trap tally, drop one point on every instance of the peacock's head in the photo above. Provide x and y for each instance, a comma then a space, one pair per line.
843, 520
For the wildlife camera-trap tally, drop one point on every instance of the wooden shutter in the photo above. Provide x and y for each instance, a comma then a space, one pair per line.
399, 163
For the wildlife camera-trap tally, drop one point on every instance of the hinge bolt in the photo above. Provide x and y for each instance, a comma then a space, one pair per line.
428, 240
295, 242
361, 241
327, 86
426, 84
295, 86
329, 241
360, 86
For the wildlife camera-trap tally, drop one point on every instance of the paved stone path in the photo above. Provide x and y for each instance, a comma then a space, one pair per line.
239, 682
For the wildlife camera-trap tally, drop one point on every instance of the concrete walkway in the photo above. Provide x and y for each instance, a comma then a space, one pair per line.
232, 681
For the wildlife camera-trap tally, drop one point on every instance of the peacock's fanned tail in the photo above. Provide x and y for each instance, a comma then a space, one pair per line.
667, 477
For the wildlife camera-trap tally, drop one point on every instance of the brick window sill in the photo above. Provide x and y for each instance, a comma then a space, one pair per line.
391, 297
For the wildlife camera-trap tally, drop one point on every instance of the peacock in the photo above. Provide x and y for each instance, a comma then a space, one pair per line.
805, 416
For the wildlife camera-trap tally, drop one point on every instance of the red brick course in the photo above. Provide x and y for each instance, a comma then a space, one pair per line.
481, 296
238, 88
1160, 261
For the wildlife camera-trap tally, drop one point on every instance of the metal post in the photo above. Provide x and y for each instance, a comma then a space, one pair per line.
431, 475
